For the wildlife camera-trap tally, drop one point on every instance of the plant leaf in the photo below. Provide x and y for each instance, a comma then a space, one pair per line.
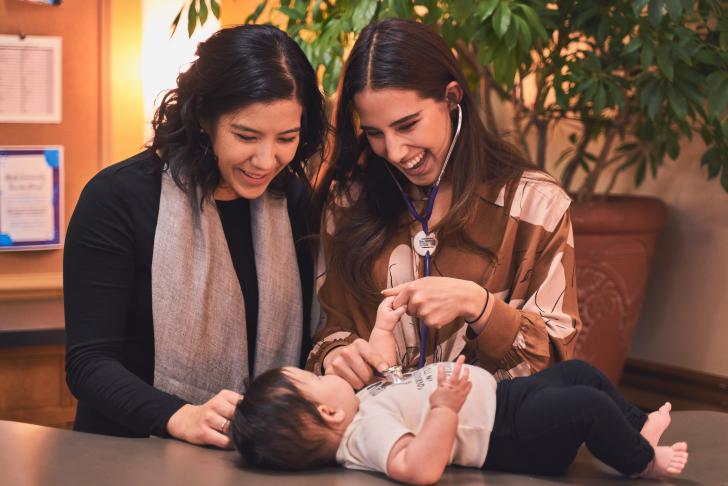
718, 99
672, 146
655, 11
600, 99
633, 45
664, 62
675, 8
363, 13
639, 175
711, 158
485, 9
203, 12
291, 13
501, 20
647, 55
677, 102
511, 37
253, 18
524, 38
534, 21
175, 22
654, 102
215, 7
192, 18
638, 6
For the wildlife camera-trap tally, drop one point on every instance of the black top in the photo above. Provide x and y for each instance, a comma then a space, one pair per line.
235, 217
108, 299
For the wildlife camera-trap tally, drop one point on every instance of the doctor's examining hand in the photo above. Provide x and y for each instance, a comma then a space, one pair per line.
436, 300
440, 300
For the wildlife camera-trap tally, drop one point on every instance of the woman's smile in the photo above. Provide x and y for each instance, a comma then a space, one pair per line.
252, 178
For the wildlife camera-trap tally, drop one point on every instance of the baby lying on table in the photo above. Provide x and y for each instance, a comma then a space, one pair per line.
449, 413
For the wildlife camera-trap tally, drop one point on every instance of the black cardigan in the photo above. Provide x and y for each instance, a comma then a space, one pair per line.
108, 303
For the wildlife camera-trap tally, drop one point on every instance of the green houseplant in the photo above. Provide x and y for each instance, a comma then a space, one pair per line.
626, 79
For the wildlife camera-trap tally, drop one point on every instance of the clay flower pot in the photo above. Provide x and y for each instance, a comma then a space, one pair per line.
615, 242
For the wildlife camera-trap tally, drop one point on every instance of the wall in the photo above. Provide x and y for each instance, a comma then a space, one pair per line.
79, 132
122, 101
162, 57
683, 321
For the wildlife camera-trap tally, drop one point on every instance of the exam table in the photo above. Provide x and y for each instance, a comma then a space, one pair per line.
32, 455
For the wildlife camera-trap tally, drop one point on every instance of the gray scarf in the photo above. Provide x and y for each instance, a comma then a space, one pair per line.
200, 338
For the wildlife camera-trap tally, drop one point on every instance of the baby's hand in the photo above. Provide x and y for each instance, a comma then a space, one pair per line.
452, 392
387, 317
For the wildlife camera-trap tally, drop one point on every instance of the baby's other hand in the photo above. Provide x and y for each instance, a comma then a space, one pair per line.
387, 317
452, 392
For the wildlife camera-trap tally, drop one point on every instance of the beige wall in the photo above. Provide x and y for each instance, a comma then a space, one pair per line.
234, 12
684, 321
122, 117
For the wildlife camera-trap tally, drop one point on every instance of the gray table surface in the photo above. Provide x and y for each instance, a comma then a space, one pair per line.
32, 455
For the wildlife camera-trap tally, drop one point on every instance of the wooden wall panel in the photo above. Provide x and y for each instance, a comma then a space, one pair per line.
33, 386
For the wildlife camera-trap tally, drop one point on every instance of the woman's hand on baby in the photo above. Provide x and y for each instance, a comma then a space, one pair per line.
388, 316
206, 424
453, 391
438, 300
355, 363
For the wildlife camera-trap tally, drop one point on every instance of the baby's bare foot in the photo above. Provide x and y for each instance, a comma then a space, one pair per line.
668, 461
657, 423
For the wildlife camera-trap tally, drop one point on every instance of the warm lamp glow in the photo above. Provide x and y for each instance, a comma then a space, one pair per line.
163, 57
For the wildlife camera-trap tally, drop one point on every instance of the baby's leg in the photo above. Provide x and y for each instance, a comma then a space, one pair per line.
550, 424
577, 372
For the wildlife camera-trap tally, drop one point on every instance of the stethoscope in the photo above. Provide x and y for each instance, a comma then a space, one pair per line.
424, 242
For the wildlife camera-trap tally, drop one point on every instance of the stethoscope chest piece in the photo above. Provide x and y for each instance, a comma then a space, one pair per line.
423, 243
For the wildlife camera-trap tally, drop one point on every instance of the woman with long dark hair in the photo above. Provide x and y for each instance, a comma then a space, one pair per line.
184, 270
422, 203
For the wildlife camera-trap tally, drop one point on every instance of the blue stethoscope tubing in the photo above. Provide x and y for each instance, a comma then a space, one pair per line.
424, 220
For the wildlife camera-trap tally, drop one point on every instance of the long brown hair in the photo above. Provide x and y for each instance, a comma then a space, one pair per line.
402, 54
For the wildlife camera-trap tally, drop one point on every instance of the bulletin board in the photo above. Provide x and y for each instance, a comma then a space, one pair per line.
31, 199
82, 27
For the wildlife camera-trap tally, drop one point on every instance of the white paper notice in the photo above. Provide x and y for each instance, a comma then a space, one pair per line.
29, 198
30, 79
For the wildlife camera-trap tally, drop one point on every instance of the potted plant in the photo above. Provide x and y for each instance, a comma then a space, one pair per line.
626, 80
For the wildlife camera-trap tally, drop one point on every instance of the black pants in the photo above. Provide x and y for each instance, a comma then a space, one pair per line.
542, 420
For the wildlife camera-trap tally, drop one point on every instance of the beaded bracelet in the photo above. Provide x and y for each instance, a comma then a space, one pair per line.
485, 306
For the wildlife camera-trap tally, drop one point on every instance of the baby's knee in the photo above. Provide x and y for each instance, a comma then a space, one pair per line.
578, 365
589, 399
581, 370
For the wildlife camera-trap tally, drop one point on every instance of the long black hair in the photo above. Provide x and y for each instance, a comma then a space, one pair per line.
235, 67
402, 54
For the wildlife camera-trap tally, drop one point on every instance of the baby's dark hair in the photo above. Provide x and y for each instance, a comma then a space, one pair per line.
276, 427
